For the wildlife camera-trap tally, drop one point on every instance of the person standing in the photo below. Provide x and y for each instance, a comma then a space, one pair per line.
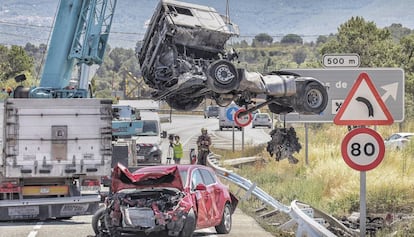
178, 150
203, 144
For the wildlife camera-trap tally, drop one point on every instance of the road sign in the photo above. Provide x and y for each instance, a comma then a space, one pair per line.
388, 81
363, 149
341, 60
363, 105
230, 112
244, 120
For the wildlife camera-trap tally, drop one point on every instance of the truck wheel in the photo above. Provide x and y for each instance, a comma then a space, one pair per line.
222, 77
183, 103
279, 109
314, 100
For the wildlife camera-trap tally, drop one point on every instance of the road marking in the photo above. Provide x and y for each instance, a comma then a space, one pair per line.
36, 228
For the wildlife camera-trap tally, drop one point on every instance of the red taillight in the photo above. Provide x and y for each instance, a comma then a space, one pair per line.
9, 187
91, 182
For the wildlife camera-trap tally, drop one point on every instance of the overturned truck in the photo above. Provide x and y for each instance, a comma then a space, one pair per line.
184, 59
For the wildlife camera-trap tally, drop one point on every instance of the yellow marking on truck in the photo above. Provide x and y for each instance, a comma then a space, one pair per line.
45, 190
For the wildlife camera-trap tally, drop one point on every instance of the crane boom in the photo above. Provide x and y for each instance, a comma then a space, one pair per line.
80, 36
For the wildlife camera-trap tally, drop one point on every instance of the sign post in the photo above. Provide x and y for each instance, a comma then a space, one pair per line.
230, 116
362, 148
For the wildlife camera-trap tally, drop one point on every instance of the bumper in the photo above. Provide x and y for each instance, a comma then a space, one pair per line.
45, 208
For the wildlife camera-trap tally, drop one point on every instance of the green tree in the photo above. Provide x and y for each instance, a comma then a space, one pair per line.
291, 39
299, 56
263, 38
375, 46
398, 31
14, 61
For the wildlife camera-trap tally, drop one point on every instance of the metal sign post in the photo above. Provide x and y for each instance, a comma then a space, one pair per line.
362, 203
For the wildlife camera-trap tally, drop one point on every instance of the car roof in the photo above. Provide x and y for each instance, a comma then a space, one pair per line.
261, 114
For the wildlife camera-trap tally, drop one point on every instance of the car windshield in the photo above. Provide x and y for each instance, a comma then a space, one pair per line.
262, 116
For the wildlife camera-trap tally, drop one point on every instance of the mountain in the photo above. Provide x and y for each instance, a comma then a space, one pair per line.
23, 21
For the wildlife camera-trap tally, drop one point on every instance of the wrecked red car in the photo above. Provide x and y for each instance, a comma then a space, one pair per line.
173, 199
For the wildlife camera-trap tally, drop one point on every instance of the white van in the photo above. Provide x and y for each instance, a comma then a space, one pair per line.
225, 113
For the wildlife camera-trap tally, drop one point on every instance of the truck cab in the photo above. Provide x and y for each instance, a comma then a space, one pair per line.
138, 142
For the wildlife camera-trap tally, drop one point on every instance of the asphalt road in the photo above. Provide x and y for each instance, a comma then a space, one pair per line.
188, 128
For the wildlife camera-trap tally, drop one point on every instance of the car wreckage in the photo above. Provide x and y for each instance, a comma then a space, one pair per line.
166, 199
184, 59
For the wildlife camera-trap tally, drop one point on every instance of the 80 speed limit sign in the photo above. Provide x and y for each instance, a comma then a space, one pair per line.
363, 149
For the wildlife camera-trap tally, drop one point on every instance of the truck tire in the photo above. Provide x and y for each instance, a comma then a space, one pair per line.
313, 98
183, 103
222, 77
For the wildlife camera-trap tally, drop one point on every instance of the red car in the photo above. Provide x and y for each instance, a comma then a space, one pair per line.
174, 199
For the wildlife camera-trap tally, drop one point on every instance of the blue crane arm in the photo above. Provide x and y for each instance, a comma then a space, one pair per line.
80, 35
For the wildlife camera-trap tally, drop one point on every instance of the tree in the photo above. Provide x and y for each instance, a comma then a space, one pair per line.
263, 38
299, 56
14, 61
398, 31
291, 39
321, 39
375, 46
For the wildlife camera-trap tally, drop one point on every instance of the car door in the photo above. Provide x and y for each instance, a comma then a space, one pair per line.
216, 202
202, 199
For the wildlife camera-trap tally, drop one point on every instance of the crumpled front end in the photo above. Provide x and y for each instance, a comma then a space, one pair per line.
148, 211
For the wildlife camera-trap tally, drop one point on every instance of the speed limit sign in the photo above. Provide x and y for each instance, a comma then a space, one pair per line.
363, 149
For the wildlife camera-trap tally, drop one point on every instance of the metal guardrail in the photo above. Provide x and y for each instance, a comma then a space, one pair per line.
303, 215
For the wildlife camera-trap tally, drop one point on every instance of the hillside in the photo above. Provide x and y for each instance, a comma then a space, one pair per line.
24, 21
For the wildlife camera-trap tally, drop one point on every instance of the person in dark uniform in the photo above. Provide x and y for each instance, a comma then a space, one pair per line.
203, 144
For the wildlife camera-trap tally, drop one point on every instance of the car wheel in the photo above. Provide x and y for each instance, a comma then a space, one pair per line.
189, 225
98, 221
225, 225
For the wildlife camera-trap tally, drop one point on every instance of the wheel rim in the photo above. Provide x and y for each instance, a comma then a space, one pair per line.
227, 218
223, 74
314, 98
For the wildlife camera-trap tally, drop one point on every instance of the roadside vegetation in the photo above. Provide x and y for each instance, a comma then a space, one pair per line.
328, 183
324, 181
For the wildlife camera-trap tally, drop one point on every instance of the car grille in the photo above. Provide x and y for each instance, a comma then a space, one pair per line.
144, 149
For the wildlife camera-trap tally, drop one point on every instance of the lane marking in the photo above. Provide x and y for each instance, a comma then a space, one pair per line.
36, 228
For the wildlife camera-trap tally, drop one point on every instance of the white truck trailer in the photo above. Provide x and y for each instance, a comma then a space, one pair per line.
55, 152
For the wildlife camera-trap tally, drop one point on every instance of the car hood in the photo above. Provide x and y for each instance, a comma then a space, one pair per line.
147, 177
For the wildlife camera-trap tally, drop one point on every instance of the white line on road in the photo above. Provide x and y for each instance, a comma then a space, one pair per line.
36, 228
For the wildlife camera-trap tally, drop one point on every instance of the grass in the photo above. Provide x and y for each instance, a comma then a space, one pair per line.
327, 182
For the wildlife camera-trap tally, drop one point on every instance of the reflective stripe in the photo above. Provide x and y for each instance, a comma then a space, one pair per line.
45, 190
178, 150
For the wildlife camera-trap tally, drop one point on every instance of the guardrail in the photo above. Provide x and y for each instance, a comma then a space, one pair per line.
307, 220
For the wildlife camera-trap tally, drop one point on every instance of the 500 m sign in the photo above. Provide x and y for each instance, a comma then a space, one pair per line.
363, 149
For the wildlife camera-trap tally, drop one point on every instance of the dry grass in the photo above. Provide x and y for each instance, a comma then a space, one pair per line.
327, 182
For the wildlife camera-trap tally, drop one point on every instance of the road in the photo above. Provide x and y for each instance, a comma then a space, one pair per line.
188, 128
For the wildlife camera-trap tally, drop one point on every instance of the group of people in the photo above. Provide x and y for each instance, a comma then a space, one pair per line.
203, 145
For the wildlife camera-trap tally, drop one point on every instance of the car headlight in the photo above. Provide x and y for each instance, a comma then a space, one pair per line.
155, 147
